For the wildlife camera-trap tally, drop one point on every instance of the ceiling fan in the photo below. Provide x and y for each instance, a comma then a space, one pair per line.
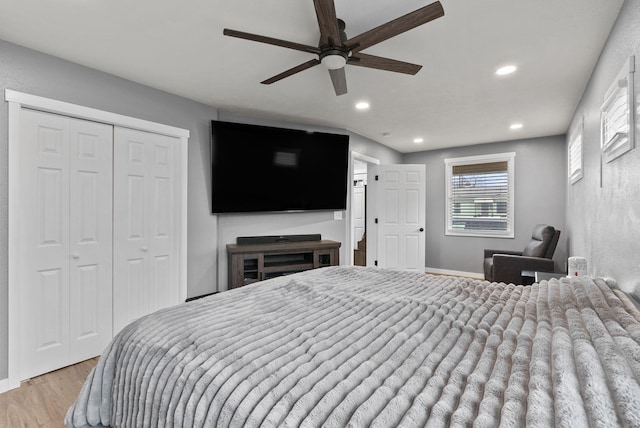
334, 50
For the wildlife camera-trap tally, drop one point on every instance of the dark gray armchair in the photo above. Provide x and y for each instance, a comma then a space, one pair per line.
507, 266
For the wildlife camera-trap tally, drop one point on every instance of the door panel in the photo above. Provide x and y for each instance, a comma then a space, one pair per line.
162, 285
52, 197
66, 241
162, 232
87, 324
391, 248
392, 207
145, 272
412, 253
399, 207
51, 324
45, 242
412, 209
91, 213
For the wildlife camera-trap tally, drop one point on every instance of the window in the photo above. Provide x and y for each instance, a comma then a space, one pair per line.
574, 154
617, 116
480, 195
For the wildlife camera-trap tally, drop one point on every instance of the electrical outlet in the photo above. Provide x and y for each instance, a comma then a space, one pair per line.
337, 215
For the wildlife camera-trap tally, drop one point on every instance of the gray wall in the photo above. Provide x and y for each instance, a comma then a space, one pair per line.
233, 225
604, 220
540, 174
31, 72
35, 73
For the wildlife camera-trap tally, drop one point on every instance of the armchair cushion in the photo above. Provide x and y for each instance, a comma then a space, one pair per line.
490, 253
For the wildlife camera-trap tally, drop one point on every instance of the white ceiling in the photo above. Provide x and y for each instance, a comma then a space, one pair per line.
456, 99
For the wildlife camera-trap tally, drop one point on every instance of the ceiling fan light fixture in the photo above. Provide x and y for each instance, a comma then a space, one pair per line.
334, 61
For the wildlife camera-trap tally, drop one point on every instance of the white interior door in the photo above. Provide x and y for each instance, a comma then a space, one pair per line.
398, 214
65, 247
145, 264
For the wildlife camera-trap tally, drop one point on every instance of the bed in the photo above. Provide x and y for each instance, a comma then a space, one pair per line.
356, 346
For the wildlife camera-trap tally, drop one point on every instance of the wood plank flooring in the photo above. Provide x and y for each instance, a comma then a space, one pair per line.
43, 401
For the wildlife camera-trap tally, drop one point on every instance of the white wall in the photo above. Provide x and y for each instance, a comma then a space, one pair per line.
603, 217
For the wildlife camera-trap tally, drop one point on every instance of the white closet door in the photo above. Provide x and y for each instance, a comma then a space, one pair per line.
91, 243
65, 282
145, 260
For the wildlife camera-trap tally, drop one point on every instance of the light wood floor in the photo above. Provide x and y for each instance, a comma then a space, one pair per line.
44, 400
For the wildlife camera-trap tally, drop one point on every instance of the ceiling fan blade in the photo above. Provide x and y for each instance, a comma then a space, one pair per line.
339, 79
291, 71
395, 27
328, 22
271, 41
380, 63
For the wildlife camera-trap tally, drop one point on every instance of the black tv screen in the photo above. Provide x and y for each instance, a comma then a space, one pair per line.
260, 168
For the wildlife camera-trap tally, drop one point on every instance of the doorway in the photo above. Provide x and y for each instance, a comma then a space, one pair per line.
360, 165
359, 207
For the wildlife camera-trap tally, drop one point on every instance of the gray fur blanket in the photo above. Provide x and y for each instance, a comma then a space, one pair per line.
349, 346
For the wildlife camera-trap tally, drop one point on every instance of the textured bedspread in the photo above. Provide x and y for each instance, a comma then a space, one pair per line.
371, 347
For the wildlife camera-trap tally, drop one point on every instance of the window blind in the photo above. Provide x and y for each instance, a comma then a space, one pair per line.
575, 158
479, 197
616, 116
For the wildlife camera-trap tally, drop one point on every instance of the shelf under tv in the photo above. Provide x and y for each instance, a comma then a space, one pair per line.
256, 262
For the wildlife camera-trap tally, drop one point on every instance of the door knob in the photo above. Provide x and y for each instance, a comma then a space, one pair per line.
145, 248
422, 229
76, 256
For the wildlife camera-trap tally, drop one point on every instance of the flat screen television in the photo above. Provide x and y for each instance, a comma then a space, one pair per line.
261, 169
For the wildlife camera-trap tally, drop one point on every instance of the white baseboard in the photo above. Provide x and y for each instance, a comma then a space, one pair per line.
473, 275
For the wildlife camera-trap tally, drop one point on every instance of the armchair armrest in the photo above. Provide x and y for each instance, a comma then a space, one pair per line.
489, 253
508, 268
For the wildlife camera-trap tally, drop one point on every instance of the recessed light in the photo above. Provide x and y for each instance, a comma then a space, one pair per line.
362, 105
418, 140
507, 69
516, 126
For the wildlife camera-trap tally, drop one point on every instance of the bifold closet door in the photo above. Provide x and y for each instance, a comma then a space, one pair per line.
66, 240
145, 261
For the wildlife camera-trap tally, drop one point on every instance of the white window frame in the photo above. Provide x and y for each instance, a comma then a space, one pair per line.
469, 160
616, 114
574, 153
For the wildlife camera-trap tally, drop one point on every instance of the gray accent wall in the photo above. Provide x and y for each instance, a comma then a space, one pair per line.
32, 72
540, 176
603, 209
232, 226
